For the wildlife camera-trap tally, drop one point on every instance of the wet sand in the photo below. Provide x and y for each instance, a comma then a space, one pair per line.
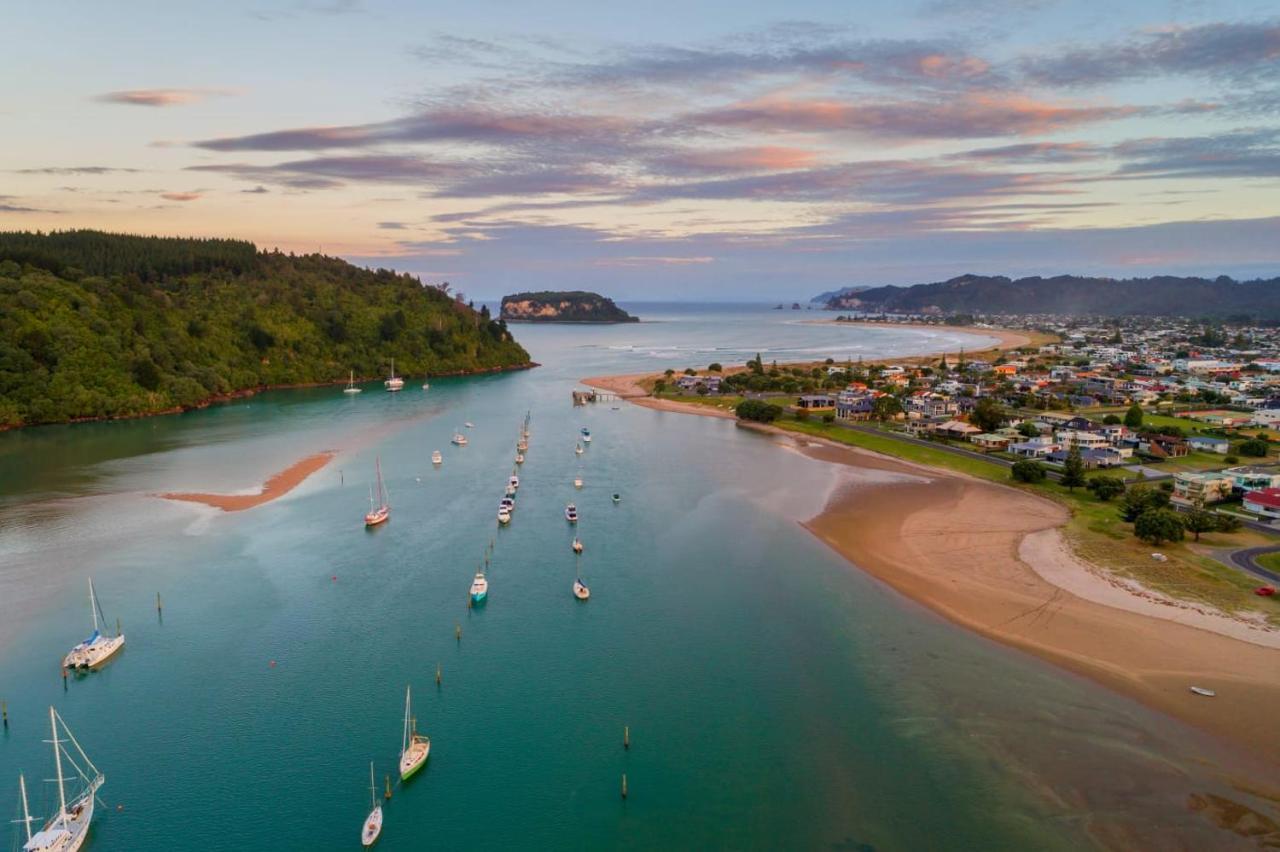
277, 486
1007, 338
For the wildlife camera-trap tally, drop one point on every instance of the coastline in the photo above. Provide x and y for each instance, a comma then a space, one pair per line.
1007, 338
990, 558
276, 486
246, 393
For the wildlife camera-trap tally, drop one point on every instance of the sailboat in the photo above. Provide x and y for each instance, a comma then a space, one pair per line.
394, 383
577, 481
95, 650
577, 545
351, 384
514, 481
373, 822
459, 438
479, 587
571, 513
586, 435
578, 448
67, 830
519, 458
414, 747
580, 590
380, 512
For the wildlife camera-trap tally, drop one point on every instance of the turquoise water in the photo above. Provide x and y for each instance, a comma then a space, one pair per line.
776, 697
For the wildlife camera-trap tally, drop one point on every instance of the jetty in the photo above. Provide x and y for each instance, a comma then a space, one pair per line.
582, 397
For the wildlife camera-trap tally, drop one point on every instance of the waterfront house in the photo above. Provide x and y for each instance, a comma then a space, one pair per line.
855, 406
929, 404
1034, 448
1092, 457
991, 442
1209, 444
957, 429
1203, 488
1264, 502
1252, 478
810, 402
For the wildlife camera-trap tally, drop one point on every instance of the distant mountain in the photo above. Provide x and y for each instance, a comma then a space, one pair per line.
96, 325
1163, 295
823, 298
562, 306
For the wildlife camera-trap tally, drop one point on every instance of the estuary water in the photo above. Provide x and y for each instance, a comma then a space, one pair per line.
776, 697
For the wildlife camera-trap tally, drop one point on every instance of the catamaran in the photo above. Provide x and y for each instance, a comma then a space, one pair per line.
571, 513
436, 458
479, 587
97, 649
67, 830
380, 512
373, 822
459, 438
351, 384
394, 383
414, 747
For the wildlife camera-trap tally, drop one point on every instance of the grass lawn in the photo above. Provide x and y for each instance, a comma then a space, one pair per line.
1270, 561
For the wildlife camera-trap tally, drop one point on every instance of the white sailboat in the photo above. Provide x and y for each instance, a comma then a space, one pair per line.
459, 438
351, 384
373, 822
381, 511
580, 590
394, 383
577, 545
519, 458
66, 830
578, 449
414, 747
95, 650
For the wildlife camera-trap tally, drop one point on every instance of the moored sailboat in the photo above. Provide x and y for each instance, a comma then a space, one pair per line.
571, 513
97, 649
394, 382
351, 384
459, 438
415, 748
479, 587
67, 830
580, 590
378, 512
436, 457
372, 827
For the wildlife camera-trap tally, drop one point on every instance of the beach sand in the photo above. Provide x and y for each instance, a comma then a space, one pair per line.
1007, 338
277, 486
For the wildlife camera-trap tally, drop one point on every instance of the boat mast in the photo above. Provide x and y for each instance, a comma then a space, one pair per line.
57, 761
373, 788
26, 813
404, 746
93, 604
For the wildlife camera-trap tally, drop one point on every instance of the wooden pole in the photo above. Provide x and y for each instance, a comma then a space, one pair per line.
626, 736
624, 785
388, 793
437, 674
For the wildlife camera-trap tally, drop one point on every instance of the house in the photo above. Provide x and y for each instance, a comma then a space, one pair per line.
929, 404
1034, 448
1264, 501
1251, 478
1209, 444
692, 383
1084, 440
991, 442
1200, 488
1005, 370
1268, 417
955, 429
1163, 446
1093, 457
810, 402
855, 406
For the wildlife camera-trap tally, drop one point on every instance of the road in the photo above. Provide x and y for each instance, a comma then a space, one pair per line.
1247, 559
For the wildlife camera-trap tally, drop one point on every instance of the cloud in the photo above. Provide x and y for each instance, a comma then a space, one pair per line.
159, 97
759, 158
1240, 154
1036, 152
1236, 51
651, 260
181, 196
974, 115
257, 190
17, 208
392, 226
76, 170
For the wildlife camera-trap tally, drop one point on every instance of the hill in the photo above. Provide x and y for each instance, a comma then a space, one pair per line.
1163, 295
96, 325
562, 306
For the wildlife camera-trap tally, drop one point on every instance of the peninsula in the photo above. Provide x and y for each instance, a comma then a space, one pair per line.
98, 326
562, 306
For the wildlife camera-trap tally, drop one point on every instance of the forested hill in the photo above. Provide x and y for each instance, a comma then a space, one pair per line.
106, 325
1164, 295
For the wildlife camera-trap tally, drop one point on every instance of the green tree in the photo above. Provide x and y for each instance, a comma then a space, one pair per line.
1073, 468
1133, 417
828, 417
1199, 520
1027, 470
1228, 523
758, 410
1112, 420
1252, 447
714, 367
1027, 429
1156, 526
987, 415
1106, 487
1137, 500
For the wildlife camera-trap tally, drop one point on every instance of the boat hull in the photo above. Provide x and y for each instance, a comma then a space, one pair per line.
93, 654
373, 519
412, 761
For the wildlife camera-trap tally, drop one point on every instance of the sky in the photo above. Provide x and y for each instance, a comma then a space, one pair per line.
666, 150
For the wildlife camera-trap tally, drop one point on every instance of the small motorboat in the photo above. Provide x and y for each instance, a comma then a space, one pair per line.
577, 482
1265, 591
459, 439
479, 588
373, 822
437, 457
617, 498
571, 513
522, 445
426, 386
507, 503
469, 424
1207, 693
577, 545
514, 481
578, 448
504, 515
586, 435
519, 458
580, 590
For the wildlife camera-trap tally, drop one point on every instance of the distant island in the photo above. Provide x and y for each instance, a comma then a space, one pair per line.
96, 325
1162, 295
562, 306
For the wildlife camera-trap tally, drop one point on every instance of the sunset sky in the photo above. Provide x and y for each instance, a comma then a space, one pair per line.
662, 150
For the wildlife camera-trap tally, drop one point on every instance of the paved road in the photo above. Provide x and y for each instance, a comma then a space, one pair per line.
1247, 558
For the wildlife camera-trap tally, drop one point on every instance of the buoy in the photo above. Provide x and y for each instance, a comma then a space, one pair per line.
334, 578
626, 736
119, 807
388, 793
273, 664
437, 674
624, 785
457, 631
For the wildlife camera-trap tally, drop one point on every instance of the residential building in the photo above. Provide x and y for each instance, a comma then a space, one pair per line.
1264, 502
1209, 444
1252, 478
1201, 488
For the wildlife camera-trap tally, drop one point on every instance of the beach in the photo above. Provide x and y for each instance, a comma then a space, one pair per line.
1007, 338
990, 558
276, 486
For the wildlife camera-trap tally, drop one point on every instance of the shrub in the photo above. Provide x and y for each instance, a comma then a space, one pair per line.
1156, 526
1027, 470
1252, 447
1106, 487
802, 414
758, 410
828, 418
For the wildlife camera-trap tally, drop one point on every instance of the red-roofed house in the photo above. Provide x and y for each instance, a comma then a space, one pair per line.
1264, 501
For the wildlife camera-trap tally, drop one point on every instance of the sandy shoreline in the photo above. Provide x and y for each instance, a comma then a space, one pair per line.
991, 559
278, 485
1007, 338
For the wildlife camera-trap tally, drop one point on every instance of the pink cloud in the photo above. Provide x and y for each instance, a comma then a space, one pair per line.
159, 97
756, 158
181, 196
